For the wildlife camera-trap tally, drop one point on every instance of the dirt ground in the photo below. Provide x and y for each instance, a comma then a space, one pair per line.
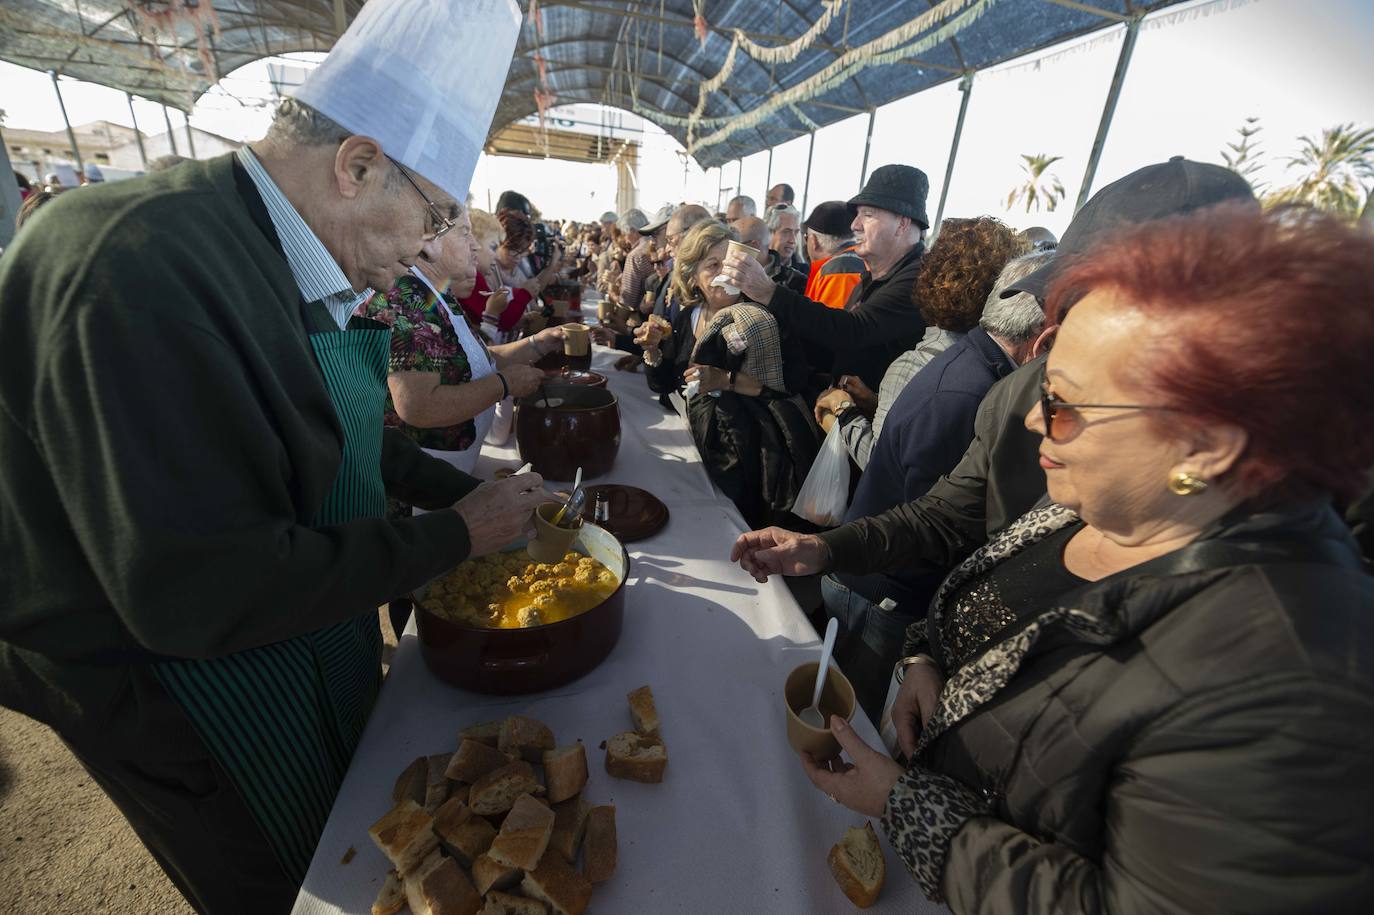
64, 847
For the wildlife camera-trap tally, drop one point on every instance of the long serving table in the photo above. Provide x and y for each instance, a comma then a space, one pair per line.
735, 826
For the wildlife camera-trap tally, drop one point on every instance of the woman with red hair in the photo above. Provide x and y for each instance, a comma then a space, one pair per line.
1154, 694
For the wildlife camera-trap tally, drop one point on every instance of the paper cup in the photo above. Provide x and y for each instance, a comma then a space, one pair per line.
836, 699
550, 543
577, 340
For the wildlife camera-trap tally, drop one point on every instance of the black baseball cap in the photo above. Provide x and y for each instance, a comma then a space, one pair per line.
834, 217
1166, 189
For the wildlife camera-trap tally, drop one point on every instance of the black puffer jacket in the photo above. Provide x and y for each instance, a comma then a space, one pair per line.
1169, 739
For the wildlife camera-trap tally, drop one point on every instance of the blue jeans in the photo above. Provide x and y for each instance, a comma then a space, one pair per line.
868, 644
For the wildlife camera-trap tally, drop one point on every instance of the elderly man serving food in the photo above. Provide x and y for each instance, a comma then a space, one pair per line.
195, 469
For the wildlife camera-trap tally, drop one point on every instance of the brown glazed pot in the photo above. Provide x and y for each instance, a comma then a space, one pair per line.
581, 431
557, 362
510, 661
574, 376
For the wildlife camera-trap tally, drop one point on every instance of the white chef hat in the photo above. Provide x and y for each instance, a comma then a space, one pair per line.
422, 78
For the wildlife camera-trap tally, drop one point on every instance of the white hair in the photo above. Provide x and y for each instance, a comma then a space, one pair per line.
1019, 318
773, 218
746, 204
830, 243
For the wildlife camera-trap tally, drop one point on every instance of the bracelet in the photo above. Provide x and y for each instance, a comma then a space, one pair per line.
505, 388
899, 670
733, 375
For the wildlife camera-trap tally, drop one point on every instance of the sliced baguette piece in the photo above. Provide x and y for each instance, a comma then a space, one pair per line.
499, 903
525, 737
463, 834
857, 863
524, 836
488, 875
565, 772
391, 898
488, 733
437, 784
569, 825
405, 835
601, 850
643, 712
411, 783
636, 757
494, 793
555, 882
440, 887
473, 760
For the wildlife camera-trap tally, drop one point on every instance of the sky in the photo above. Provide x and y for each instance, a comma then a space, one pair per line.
1198, 71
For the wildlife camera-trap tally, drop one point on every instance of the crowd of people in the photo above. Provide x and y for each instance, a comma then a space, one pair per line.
1100, 569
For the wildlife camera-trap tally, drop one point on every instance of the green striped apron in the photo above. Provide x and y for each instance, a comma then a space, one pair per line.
284, 719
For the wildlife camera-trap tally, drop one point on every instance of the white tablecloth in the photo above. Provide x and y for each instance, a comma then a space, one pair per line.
735, 826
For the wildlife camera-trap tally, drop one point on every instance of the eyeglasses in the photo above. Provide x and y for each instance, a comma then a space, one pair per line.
439, 224
1062, 420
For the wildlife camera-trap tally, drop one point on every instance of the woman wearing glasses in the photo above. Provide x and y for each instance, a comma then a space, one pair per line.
1154, 692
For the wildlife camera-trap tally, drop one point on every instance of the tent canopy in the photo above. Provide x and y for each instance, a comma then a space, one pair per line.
640, 55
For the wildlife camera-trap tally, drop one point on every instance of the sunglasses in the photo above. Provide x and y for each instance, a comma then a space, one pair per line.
439, 224
1063, 421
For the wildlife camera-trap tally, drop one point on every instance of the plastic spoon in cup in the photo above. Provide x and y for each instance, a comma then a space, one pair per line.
577, 485
812, 713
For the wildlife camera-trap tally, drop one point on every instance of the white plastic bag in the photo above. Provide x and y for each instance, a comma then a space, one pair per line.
824, 495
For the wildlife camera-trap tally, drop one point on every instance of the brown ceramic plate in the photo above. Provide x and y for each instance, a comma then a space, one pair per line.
636, 513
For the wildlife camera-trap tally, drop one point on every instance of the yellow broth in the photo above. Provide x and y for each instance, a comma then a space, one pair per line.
512, 591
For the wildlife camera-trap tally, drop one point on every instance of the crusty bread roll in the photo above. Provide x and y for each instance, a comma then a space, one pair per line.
636, 757
524, 835
437, 784
565, 772
488, 733
499, 903
488, 875
643, 712
440, 887
525, 737
405, 835
411, 783
463, 834
601, 850
494, 793
555, 882
569, 825
391, 898
473, 760
858, 865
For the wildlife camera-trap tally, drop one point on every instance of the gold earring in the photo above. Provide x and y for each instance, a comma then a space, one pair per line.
1184, 483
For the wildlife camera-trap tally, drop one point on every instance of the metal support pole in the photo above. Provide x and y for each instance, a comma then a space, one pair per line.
171, 137
768, 179
868, 142
806, 188
965, 87
340, 18
720, 184
1123, 61
190, 140
71, 137
138, 134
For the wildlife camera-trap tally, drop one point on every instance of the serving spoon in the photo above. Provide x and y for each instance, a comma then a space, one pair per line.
576, 491
812, 713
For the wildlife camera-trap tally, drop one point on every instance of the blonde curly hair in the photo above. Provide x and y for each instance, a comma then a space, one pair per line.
485, 227
698, 242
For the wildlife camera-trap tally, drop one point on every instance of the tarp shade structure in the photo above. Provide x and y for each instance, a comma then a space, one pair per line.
640, 55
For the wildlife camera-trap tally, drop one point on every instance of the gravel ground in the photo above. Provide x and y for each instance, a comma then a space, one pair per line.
67, 848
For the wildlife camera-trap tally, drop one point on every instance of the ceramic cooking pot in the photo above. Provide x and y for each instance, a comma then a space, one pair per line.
565, 426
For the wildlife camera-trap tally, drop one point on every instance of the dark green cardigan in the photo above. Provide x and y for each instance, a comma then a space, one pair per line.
165, 440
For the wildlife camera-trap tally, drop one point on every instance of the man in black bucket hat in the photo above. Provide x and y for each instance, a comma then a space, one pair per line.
889, 221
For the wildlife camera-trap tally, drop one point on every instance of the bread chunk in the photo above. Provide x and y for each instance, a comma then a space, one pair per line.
525, 737
643, 712
440, 887
524, 836
391, 898
555, 882
436, 780
463, 834
499, 903
601, 844
473, 760
405, 835
857, 863
569, 824
488, 875
488, 733
565, 772
636, 757
494, 793
411, 783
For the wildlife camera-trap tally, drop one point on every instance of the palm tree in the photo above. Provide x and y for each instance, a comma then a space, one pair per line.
1242, 156
1336, 168
1039, 189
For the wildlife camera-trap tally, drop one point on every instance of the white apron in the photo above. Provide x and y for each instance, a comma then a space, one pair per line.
481, 365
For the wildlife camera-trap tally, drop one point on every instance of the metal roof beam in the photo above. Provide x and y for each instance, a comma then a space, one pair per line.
1094, 10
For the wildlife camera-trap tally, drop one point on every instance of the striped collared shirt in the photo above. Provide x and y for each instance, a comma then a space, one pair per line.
317, 273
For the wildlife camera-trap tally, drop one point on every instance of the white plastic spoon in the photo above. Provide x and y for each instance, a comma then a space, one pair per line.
812, 713
577, 482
